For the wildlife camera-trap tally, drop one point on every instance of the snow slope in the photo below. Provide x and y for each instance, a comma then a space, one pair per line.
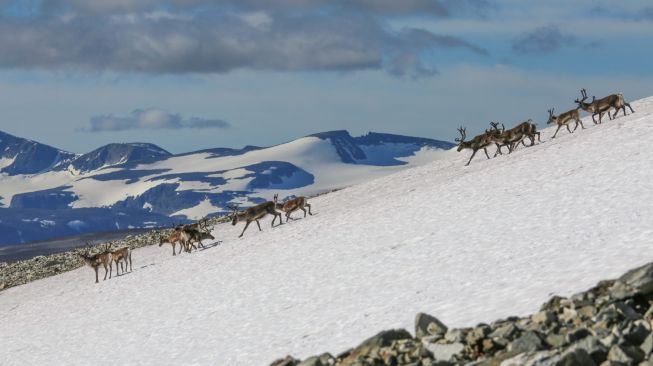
466, 244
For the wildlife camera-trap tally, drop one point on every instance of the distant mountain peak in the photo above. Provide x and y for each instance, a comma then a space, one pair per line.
23, 156
122, 154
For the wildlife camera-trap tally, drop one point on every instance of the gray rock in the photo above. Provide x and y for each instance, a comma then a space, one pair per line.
556, 340
625, 354
455, 336
593, 347
529, 342
577, 334
507, 331
325, 359
647, 344
287, 361
544, 317
626, 311
444, 352
635, 281
636, 332
382, 339
426, 325
576, 357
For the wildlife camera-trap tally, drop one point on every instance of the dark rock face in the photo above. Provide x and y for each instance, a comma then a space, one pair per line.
29, 157
362, 149
610, 324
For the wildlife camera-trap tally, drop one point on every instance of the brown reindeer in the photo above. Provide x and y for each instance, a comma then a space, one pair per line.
254, 213
198, 236
563, 119
603, 105
96, 260
174, 238
512, 137
478, 142
526, 129
121, 255
297, 203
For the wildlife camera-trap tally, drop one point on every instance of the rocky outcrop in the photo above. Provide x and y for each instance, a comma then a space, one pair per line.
610, 324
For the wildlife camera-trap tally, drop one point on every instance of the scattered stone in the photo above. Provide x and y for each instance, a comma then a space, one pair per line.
556, 340
545, 317
635, 281
529, 342
625, 354
323, 360
287, 361
577, 334
454, 335
575, 357
507, 332
593, 347
444, 352
426, 325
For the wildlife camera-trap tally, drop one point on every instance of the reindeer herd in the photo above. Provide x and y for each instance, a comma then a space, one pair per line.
527, 130
186, 236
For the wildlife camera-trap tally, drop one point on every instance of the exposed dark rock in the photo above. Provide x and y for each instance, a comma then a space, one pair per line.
426, 325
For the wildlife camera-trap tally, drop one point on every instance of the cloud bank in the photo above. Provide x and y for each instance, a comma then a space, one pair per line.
198, 36
150, 119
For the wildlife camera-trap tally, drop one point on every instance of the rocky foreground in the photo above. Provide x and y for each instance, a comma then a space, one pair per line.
21, 272
610, 324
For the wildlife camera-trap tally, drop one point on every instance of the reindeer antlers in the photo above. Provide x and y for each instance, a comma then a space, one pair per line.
462, 134
233, 207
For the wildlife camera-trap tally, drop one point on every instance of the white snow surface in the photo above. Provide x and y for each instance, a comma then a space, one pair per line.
466, 244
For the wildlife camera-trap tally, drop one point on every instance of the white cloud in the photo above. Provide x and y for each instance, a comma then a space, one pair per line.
150, 119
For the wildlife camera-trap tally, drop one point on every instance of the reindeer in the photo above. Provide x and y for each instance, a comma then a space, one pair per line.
297, 203
174, 238
478, 142
526, 129
122, 255
198, 236
96, 260
254, 213
603, 105
512, 137
563, 119
494, 133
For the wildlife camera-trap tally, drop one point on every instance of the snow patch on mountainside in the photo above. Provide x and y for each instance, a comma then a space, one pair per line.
197, 212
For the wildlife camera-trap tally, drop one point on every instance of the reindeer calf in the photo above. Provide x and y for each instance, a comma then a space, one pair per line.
122, 255
96, 260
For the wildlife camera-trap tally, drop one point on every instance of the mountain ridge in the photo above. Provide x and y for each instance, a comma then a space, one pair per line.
151, 185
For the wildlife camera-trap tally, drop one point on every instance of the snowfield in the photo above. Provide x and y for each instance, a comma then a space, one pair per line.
466, 244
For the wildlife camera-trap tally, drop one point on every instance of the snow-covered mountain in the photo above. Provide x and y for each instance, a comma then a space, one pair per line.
121, 186
465, 244
21, 156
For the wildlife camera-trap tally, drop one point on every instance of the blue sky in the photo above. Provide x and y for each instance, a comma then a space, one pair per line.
193, 74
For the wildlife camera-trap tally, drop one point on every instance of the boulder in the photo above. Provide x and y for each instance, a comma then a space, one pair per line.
529, 342
373, 344
444, 352
287, 361
625, 354
593, 347
325, 359
635, 281
426, 325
